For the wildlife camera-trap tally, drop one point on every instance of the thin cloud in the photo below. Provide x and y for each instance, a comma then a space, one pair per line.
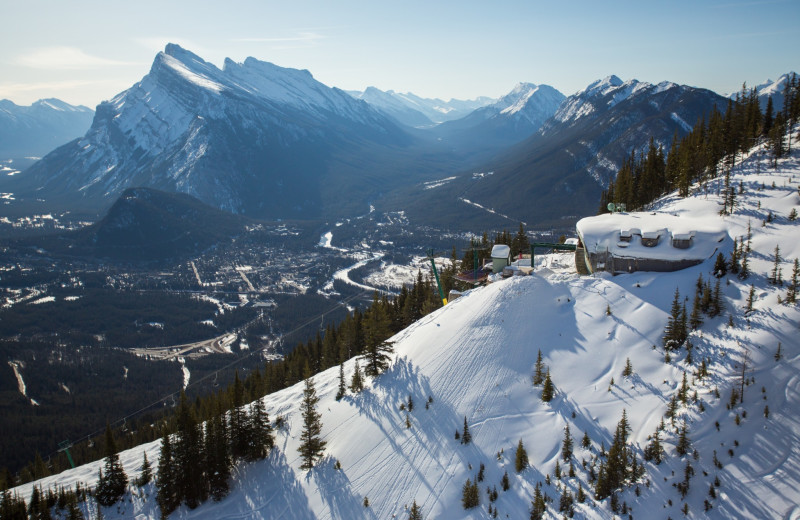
64, 58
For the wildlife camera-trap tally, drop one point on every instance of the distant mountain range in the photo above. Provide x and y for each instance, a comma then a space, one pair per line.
264, 141
252, 138
39, 128
556, 175
415, 111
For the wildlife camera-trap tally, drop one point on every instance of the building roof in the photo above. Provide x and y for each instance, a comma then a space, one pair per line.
501, 251
604, 232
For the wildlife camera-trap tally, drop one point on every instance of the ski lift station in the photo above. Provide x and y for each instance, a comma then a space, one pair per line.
628, 242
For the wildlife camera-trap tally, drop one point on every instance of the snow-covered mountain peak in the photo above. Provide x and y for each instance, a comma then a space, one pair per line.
528, 97
601, 86
603, 93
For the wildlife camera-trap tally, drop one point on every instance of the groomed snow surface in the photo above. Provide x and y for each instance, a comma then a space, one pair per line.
475, 359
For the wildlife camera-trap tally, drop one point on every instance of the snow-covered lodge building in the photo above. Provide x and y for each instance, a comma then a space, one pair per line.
628, 242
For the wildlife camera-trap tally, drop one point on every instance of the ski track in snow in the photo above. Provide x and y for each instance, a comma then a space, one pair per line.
475, 358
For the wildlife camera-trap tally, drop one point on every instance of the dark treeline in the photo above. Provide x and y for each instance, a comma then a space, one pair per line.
710, 149
355, 335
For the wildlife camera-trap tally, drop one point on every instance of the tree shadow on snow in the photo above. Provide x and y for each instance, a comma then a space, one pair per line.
336, 491
270, 489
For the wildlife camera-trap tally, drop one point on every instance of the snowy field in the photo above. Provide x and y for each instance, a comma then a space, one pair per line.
474, 359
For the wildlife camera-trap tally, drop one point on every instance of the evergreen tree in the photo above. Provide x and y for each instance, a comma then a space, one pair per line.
566, 502
776, 277
218, 459
521, 459
111, 485
73, 511
654, 451
791, 292
538, 505
768, 118
166, 485
750, 298
238, 422
341, 390
357, 381
470, 496
415, 513
188, 456
566, 444
675, 330
733, 266
628, 370
378, 358
466, 436
311, 444
548, 390
586, 442
538, 373
504, 482
744, 269
147, 473
260, 440
520, 243
682, 448
716, 300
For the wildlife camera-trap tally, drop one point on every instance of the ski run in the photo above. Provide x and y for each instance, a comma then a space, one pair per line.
474, 360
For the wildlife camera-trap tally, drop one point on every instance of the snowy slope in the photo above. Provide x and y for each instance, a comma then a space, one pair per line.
475, 359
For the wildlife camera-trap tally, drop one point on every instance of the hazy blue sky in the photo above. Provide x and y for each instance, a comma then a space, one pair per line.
85, 51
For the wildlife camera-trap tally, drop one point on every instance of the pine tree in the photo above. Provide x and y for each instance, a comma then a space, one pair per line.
566, 502
566, 444
470, 496
341, 390
720, 266
628, 370
218, 459
147, 472
238, 422
415, 513
166, 484
73, 511
188, 456
673, 335
775, 277
750, 298
586, 442
111, 485
378, 358
357, 381
744, 269
538, 505
466, 436
538, 373
654, 451
521, 459
716, 298
791, 292
311, 444
548, 390
682, 448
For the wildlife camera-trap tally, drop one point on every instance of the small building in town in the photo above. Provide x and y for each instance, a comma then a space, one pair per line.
628, 242
501, 257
